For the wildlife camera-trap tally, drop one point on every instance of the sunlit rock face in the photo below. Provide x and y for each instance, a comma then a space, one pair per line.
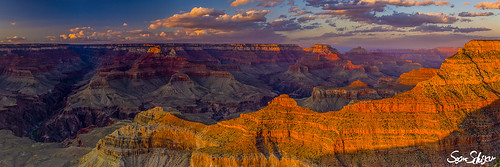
329, 98
415, 76
456, 108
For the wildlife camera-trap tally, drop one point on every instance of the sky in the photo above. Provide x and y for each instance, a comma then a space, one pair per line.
340, 23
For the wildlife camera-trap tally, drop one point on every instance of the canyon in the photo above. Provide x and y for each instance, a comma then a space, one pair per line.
77, 86
225, 104
455, 109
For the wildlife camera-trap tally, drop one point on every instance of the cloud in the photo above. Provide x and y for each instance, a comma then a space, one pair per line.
311, 26
331, 23
469, 30
250, 16
467, 14
488, 5
125, 24
205, 18
290, 25
307, 18
435, 28
377, 29
78, 29
416, 19
241, 2
285, 25
466, 3
263, 3
14, 39
86, 34
465, 20
295, 9
368, 5
327, 36
364, 11
200, 25
414, 41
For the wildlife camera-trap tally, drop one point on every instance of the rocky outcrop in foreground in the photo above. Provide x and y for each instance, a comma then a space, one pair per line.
457, 109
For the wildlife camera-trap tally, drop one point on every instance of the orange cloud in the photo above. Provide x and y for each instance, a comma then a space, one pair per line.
78, 29
241, 2
206, 18
263, 3
467, 14
488, 5
14, 39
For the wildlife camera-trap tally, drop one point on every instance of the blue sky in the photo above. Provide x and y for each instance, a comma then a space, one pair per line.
341, 23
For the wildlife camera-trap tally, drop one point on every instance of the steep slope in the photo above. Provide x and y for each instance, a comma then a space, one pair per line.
428, 117
414, 77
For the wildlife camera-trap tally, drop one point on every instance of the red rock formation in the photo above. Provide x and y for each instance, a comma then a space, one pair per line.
413, 77
428, 118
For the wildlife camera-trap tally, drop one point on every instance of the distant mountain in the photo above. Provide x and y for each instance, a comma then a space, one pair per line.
429, 58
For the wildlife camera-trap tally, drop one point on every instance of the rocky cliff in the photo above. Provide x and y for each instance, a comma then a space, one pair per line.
457, 107
415, 76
